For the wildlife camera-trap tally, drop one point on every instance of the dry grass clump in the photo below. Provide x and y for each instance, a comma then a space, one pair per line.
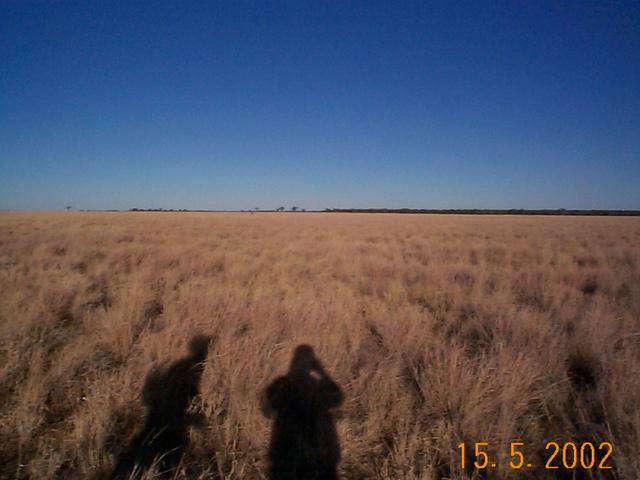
438, 329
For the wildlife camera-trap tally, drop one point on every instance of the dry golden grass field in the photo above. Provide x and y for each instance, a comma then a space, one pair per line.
437, 329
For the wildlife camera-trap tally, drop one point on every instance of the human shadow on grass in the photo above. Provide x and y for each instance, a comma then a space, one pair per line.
304, 442
166, 395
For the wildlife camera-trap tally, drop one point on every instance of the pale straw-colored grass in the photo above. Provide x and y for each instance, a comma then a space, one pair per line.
439, 330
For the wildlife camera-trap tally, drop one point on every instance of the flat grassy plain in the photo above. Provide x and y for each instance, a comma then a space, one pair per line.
438, 329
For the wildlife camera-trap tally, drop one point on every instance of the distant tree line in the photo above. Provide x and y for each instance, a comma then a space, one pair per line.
452, 211
163, 210
255, 209
481, 211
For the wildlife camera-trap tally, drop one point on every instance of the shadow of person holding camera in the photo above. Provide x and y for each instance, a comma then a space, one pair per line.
304, 442
167, 395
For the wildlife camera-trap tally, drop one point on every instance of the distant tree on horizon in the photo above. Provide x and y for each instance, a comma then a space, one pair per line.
68, 207
280, 209
294, 209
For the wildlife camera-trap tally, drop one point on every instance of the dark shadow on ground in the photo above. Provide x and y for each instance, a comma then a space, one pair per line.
304, 442
167, 395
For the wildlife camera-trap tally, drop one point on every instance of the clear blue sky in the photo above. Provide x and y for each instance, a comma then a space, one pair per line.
232, 105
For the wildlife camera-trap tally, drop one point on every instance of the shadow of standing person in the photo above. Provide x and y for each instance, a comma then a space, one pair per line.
304, 442
167, 395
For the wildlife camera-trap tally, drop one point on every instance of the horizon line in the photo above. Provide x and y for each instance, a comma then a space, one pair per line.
441, 211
